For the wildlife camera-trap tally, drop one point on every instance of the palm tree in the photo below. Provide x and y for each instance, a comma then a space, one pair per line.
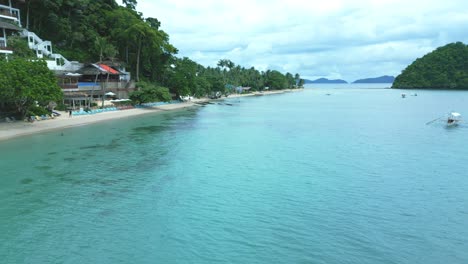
130, 3
297, 78
225, 63
100, 44
139, 31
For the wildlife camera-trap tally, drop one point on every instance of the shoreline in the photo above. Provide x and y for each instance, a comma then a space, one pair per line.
21, 128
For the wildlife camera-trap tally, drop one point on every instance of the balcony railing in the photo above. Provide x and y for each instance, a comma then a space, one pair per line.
68, 86
3, 46
7, 12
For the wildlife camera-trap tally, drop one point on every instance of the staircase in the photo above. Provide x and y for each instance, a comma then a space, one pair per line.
43, 49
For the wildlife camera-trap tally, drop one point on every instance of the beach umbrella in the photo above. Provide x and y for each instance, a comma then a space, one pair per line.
110, 93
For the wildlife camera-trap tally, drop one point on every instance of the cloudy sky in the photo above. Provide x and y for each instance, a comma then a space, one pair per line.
328, 38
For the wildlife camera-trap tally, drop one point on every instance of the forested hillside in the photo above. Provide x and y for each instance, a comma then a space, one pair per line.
444, 68
96, 30
381, 79
91, 30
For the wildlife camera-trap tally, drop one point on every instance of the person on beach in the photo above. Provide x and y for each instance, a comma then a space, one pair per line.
70, 113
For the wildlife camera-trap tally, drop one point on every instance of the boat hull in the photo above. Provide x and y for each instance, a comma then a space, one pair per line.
452, 123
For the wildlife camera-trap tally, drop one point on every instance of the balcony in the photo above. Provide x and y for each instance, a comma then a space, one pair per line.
2, 43
4, 48
10, 13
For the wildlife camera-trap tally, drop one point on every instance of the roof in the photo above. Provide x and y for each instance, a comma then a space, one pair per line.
113, 63
455, 114
73, 74
94, 68
107, 69
10, 26
75, 95
243, 88
119, 100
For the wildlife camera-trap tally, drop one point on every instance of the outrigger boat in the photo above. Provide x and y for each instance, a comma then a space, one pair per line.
453, 119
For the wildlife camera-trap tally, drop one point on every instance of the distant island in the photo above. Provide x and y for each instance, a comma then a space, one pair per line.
325, 80
444, 68
381, 79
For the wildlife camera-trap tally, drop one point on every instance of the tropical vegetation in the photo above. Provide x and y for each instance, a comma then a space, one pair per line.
25, 84
444, 68
148, 92
97, 30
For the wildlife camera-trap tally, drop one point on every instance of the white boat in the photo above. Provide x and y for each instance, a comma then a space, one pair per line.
453, 119
187, 98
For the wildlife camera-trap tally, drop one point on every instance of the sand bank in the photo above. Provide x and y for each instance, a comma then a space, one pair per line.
20, 128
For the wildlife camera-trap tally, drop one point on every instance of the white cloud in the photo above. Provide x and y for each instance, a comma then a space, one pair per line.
333, 38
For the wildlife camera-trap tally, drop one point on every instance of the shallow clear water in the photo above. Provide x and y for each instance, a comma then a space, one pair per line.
352, 177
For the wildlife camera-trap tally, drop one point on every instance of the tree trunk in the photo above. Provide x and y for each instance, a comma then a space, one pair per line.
137, 78
27, 15
104, 91
126, 53
92, 91
20, 107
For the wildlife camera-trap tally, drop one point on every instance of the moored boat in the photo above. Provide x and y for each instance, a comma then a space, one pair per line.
453, 119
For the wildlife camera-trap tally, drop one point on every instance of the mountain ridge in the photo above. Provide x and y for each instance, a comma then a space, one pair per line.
442, 68
325, 80
380, 79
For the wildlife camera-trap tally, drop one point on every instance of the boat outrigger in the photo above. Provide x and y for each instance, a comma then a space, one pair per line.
452, 119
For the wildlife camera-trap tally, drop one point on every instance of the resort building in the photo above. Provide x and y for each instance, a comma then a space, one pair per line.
93, 81
43, 50
9, 23
79, 81
241, 89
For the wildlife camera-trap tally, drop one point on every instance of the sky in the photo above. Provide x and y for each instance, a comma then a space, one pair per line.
335, 39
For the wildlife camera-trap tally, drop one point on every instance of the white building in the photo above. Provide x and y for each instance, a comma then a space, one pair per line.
9, 23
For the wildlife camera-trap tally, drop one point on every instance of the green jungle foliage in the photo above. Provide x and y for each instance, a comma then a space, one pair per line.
20, 46
37, 111
148, 92
96, 30
444, 68
25, 83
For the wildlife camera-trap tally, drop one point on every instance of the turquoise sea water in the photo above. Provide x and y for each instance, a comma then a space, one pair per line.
352, 177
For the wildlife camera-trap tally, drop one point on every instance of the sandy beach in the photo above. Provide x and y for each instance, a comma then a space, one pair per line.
20, 128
